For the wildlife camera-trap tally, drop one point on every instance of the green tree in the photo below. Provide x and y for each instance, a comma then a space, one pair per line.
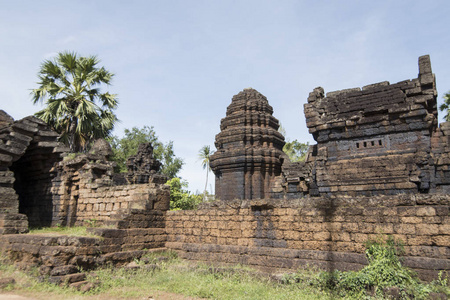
203, 155
127, 146
180, 197
446, 106
296, 150
75, 107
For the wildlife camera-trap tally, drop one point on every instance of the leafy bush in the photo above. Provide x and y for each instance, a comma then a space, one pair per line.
180, 198
383, 271
385, 268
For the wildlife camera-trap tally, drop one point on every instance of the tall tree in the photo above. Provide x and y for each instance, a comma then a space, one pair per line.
127, 145
446, 106
204, 155
75, 107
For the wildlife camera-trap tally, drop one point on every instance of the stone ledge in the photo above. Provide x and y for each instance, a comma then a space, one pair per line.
292, 259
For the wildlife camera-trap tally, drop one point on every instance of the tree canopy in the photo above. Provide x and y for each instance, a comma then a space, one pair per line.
296, 150
127, 145
75, 106
446, 106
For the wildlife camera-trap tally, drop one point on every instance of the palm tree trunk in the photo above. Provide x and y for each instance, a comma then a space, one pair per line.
206, 185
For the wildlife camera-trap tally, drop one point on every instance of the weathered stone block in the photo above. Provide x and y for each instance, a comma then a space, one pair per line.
427, 229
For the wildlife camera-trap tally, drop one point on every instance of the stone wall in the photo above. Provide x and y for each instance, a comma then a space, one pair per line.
85, 192
28, 151
378, 139
113, 246
42, 185
440, 142
329, 233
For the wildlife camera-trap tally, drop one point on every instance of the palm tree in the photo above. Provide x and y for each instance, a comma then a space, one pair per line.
204, 155
75, 107
446, 106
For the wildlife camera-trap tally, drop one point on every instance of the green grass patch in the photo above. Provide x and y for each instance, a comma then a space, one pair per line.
180, 277
62, 230
171, 275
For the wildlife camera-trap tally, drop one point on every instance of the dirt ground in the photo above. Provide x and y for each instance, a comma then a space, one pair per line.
156, 295
13, 297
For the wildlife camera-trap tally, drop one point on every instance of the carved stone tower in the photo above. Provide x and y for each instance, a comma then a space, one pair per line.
249, 148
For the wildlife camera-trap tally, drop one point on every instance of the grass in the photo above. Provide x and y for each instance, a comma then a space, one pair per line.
197, 283
69, 231
171, 276
174, 277
62, 230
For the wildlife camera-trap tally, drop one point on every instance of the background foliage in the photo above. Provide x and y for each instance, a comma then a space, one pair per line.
445, 107
127, 146
180, 197
296, 150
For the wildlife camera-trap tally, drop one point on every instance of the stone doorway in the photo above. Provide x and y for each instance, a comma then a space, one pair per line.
33, 184
29, 150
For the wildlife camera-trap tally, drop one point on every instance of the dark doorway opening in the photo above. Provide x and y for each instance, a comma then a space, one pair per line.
33, 183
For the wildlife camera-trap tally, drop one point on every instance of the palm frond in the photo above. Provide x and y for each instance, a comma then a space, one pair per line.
75, 107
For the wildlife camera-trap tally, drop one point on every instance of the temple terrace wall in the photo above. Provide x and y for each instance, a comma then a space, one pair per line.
328, 233
57, 255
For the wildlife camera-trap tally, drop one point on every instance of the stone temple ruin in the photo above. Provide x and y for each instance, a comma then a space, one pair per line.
249, 149
42, 186
381, 165
382, 139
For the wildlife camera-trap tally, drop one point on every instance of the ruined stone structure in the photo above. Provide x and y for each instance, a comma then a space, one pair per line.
381, 166
249, 149
42, 186
143, 168
382, 139
378, 139
85, 191
28, 153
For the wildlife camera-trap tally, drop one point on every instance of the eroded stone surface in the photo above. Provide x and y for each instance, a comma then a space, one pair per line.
143, 167
380, 139
329, 233
39, 188
249, 148
28, 151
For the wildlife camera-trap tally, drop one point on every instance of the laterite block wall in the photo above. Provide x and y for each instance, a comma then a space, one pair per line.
328, 233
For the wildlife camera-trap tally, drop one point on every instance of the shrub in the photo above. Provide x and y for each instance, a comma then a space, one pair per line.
180, 198
384, 271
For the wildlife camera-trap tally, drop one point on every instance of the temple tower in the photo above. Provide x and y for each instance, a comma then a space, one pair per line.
249, 148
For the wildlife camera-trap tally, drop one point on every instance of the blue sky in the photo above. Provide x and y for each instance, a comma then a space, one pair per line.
178, 63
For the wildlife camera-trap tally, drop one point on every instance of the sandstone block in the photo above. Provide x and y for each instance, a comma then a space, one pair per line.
427, 229
412, 220
405, 229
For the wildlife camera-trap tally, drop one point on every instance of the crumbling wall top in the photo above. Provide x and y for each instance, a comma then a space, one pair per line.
381, 105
